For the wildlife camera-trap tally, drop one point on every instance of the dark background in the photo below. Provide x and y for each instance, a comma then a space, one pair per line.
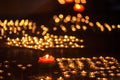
103, 10
41, 12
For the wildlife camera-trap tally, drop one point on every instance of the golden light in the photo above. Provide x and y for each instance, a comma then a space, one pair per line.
61, 16
118, 26
78, 8
78, 26
63, 28
77, 1
87, 17
113, 26
61, 1
82, 20
68, 18
100, 26
49, 41
83, 1
91, 24
108, 26
84, 27
17, 23
74, 18
57, 20
79, 15
73, 28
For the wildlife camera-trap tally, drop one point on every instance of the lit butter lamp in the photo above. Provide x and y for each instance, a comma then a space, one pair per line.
46, 60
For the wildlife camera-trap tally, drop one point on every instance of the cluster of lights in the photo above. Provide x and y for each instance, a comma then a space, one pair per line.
79, 22
17, 27
72, 1
3, 70
106, 26
97, 67
40, 77
48, 41
78, 4
20, 27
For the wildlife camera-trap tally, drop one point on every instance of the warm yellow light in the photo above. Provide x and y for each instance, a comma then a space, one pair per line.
82, 20
68, 18
91, 24
17, 23
87, 17
100, 26
108, 27
5, 22
118, 26
2, 31
84, 27
78, 26
73, 28
63, 28
61, 1
11, 22
57, 20
113, 26
86, 21
74, 19
79, 15
77, 6
61, 16
26, 22
83, 1
21, 22
77, 1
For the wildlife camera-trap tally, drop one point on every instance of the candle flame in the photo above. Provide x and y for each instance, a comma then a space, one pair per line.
47, 56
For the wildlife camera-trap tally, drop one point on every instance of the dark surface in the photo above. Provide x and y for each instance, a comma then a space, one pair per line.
37, 71
96, 43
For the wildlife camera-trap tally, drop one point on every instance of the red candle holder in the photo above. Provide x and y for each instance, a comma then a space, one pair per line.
46, 59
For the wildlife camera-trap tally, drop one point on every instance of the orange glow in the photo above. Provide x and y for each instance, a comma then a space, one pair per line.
78, 8
69, 1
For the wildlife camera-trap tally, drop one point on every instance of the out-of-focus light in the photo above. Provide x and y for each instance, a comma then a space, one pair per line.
73, 28
77, 1
74, 19
113, 26
78, 8
57, 20
68, 18
100, 26
108, 27
118, 26
78, 26
54, 28
91, 24
61, 1
79, 15
84, 28
61, 16
63, 28
87, 17
83, 1
69, 1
